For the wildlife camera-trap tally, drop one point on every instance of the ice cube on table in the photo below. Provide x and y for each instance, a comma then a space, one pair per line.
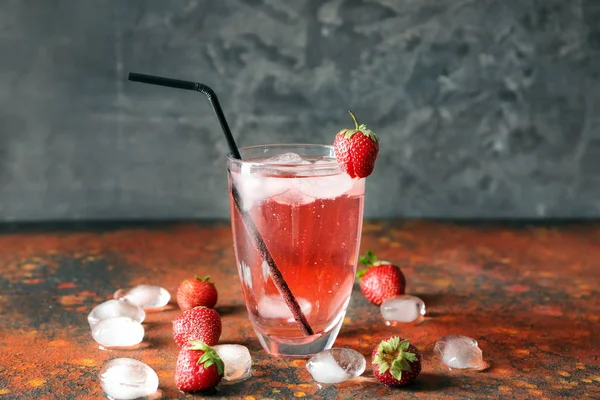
286, 158
324, 187
126, 378
145, 296
405, 308
237, 360
336, 365
113, 309
118, 332
460, 352
274, 307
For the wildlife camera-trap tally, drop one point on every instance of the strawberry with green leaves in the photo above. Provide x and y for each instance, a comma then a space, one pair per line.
197, 292
356, 149
381, 280
198, 368
396, 362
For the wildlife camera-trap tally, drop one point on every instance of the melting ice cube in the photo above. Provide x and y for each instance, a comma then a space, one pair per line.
145, 296
274, 307
254, 188
126, 378
324, 187
293, 197
461, 352
286, 158
237, 360
266, 272
118, 332
246, 274
404, 308
325, 160
113, 309
336, 365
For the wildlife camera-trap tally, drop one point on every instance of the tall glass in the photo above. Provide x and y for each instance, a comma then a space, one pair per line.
309, 214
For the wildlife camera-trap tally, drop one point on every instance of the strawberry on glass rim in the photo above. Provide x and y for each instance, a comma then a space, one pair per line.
356, 149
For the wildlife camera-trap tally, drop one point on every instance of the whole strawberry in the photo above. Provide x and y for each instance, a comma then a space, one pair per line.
198, 368
197, 292
356, 150
198, 323
381, 281
396, 362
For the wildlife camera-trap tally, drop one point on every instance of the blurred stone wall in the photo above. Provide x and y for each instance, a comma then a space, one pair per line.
485, 108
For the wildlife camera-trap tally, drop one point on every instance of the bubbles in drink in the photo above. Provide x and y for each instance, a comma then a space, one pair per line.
126, 378
145, 296
336, 365
274, 307
237, 360
118, 332
113, 309
404, 308
461, 352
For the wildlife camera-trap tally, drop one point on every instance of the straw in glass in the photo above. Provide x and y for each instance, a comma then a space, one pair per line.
249, 225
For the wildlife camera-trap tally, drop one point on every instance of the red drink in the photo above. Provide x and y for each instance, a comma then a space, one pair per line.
309, 215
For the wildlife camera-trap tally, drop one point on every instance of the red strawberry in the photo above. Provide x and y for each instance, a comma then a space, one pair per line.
396, 362
381, 281
356, 150
198, 367
198, 323
197, 292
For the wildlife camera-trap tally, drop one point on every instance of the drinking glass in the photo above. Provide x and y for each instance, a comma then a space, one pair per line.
309, 215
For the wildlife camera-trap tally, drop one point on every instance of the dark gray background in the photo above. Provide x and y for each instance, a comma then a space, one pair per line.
485, 108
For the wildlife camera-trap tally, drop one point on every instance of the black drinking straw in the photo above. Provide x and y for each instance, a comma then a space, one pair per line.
253, 233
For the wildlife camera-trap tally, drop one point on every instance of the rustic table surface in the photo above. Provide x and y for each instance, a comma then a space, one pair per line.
529, 295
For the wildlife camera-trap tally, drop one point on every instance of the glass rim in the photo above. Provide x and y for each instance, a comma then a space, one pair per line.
324, 165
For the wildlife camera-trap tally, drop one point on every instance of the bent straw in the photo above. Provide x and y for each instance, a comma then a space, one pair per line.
251, 228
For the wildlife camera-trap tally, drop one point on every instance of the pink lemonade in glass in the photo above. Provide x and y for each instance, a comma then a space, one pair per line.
309, 214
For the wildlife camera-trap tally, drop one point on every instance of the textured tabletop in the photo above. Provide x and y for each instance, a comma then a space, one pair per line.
530, 296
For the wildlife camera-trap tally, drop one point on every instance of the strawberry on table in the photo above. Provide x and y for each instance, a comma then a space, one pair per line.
396, 362
356, 149
381, 280
198, 323
197, 292
198, 368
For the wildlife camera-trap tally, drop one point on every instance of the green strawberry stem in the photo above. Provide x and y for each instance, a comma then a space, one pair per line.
356, 126
368, 260
348, 133
205, 279
392, 355
209, 357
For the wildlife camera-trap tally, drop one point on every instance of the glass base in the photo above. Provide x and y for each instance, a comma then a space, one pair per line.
278, 348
